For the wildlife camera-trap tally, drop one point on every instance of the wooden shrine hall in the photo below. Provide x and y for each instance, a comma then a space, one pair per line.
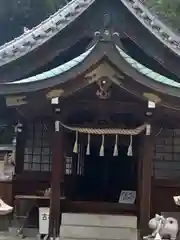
95, 93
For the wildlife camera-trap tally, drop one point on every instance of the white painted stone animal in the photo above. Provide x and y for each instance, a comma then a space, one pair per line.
165, 227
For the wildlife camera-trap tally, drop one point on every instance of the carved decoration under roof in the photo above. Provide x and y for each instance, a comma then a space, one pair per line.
152, 97
15, 101
54, 93
104, 90
104, 70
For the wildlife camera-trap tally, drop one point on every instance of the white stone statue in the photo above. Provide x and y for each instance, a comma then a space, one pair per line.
4, 208
9, 166
177, 200
163, 228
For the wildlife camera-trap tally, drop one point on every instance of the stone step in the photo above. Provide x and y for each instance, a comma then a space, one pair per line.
102, 233
116, 221
28, 232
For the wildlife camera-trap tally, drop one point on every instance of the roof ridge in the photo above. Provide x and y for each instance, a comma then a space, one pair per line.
166, 35
41, 33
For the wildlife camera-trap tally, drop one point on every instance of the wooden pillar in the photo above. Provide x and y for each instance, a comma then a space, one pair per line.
19, 153
147, 152
57, 178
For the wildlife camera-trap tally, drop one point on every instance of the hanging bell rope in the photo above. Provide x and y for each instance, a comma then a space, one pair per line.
75, 149
107, 131
148, 129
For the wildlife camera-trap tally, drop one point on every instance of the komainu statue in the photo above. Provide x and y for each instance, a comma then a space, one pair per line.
4, 208
163, 228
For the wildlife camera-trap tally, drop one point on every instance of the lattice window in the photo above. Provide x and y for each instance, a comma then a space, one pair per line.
167, 154
68, 168
80, 162
38, 147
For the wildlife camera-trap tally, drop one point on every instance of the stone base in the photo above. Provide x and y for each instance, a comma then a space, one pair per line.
98, 227
4, 222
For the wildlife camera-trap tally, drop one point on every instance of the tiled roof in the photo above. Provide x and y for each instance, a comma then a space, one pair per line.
40, 34
153, 24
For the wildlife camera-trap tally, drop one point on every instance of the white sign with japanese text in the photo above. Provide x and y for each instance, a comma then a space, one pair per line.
127, 197
43, 220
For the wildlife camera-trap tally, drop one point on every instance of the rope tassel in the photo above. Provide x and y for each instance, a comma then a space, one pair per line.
88, 145
75, 149
101, 153
130, 152
115, 153
148, 130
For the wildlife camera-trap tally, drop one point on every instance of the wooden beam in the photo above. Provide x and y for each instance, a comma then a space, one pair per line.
147, 151
105, 106
57, 178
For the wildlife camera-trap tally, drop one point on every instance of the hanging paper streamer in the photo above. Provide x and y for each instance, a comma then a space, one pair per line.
148, 130
101, 154
115, 153
75, 149
88, 145
130, 152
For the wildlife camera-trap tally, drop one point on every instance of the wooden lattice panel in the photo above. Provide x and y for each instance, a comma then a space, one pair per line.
167, 154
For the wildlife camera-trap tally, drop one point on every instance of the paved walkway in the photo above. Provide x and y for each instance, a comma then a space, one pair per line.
7, 236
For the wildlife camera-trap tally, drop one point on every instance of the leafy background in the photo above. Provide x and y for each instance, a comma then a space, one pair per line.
17, 14
167, 10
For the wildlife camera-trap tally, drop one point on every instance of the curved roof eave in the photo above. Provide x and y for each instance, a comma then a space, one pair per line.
154, 25
55, 71
118, 57
148, 72
40, 34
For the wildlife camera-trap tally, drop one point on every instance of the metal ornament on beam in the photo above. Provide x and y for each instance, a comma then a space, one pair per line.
151, 105
55, 103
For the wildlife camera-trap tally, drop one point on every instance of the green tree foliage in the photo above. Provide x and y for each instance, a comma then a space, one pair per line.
167, 10
17, 14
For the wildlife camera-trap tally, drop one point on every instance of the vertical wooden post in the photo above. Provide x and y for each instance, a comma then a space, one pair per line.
19, 154
147, 152
57, 178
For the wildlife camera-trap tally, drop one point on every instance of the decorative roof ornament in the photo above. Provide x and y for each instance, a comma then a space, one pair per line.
31, 39
104, 90
26, 29
107, 34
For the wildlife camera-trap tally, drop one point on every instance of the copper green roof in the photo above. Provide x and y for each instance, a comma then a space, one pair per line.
74, 62
55, 71
146, 71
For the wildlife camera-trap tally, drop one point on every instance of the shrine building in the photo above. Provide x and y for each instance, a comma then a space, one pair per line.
94, 92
